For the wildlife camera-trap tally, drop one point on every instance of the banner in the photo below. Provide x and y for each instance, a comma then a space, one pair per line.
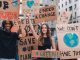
46, 54
55, 54
69, 39
9, 9
46, 14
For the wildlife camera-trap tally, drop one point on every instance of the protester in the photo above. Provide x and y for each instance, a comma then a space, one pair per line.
44, 39
8, 41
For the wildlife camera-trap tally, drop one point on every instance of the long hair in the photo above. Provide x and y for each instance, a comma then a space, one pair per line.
41, 38
4, 23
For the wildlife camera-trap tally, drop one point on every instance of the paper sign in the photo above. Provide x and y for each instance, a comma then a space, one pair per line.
46, 14
68, 38
9, 9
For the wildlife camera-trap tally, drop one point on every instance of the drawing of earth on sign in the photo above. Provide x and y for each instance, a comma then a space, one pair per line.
71, 40
30, 3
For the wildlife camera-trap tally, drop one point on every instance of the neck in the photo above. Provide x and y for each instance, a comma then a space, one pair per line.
44, 35
8, 30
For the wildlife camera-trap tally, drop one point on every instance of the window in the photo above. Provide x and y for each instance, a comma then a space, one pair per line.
69, 1
59, 13
66, 9
76, 0
66, 3
59, 7
62, 5
75, 15
70, 8
75, 6
71, 17
52, 0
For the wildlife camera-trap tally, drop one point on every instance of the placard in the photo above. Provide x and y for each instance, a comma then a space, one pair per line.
46, 14
69, 39
64, 17
55, 54
29, 6
27, 43
9, 9
25, 47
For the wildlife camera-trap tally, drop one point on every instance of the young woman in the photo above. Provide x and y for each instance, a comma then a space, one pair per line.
45, 41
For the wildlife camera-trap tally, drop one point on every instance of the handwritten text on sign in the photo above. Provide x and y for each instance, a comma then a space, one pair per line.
26, 45
68, 38
56, 54
46, 14
30, 6
9, 9
66, 28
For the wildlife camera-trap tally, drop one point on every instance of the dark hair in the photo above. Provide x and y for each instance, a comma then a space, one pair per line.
48, 30
5, 22
41, 38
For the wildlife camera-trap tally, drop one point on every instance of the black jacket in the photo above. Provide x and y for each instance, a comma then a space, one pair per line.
8, 46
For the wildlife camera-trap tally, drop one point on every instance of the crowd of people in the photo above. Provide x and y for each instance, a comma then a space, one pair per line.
10, 36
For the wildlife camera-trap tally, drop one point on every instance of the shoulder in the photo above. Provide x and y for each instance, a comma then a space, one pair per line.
52, 37
1, 29
15, 34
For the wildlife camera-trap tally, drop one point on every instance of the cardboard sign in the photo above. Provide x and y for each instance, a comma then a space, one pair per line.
55, 54
46, 53
46, 14
29, 6
69, 39
26, 45
9, 9
64, 17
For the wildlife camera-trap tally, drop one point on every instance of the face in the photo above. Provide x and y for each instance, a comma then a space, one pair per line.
44, 29
8, 26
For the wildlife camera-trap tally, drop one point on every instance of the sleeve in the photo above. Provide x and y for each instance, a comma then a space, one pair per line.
16, 35
1, 30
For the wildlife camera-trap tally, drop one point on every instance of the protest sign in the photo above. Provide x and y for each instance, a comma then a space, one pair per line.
46, 53
25, 46
29, 6
28, 43
64, 17
68, 39
46, 14
56, 54
9, 9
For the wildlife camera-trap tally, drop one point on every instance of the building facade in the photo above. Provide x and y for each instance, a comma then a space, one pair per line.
70, 5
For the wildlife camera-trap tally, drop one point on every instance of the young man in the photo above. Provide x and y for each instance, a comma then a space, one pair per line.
8, 41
